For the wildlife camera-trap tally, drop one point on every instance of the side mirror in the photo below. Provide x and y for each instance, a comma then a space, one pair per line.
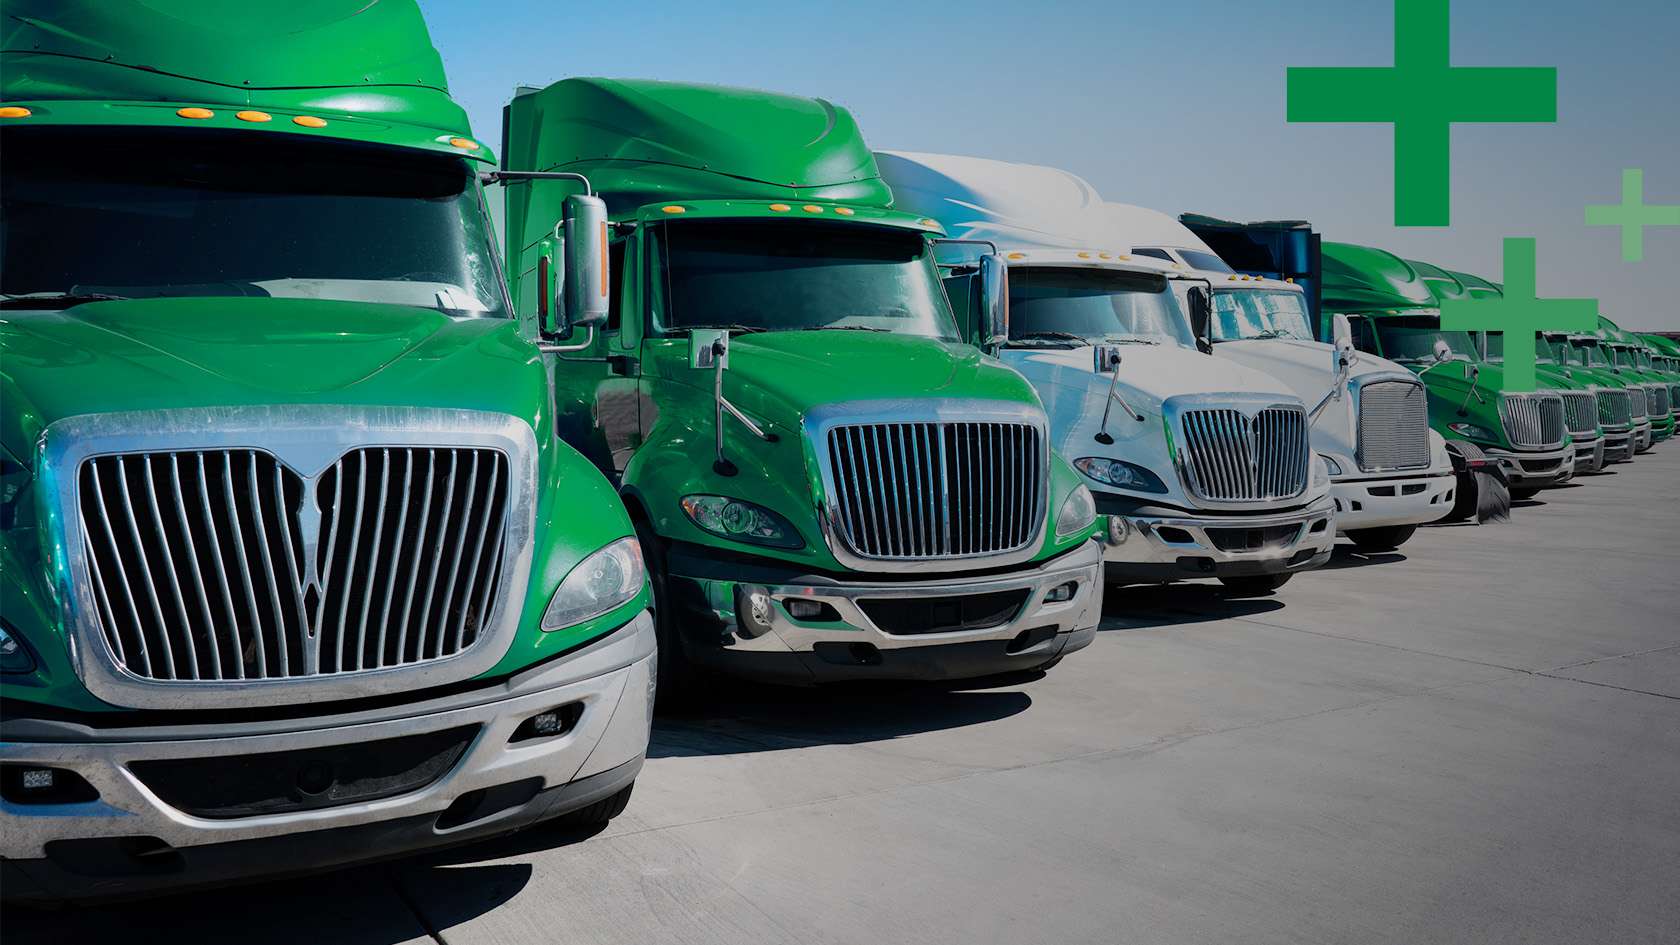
584, 290
994, 301
1201, 317
1341, 339
1442, 352
1472, 370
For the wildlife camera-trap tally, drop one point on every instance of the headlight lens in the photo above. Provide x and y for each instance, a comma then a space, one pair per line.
597, 584
1472, 432
14, 656
1120, 474
741, 521
1321, 471
1330, 463
1079, 511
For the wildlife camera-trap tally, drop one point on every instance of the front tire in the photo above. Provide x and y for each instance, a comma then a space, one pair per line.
1255, 585
1382, 539
675, 678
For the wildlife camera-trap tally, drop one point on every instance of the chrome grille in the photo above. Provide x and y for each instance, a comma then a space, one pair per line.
1232, 457
1580, 411
1393, 426
1532, 420
1637, 396
927, 490
229, 565
1657, 400
1615, 408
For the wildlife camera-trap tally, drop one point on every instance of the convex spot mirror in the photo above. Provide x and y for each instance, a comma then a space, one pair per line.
1105, 358
708, 348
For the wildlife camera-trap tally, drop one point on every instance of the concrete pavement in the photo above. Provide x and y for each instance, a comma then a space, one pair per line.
1474, 739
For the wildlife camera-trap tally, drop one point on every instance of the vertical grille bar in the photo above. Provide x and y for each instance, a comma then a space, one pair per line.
208, 520
170, 571
145, 567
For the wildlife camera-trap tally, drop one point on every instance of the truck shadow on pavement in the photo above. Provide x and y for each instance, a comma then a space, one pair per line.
1155, 606
749, 717
1349, 556
361, 905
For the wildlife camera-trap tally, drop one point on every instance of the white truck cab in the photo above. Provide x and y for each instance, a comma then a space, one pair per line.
1389, 471
1202, 466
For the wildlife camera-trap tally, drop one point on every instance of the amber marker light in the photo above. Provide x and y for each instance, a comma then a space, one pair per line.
673, 208
844, 211
780, 207
811, 208
14, 111
309, 121
193, 111
253, 116
465, 144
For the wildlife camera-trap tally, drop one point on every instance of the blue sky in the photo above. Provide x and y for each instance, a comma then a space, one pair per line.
1172, 105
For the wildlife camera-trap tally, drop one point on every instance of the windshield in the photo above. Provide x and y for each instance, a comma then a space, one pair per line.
1545, 352
1416, 343
1080, 306
149, 213
797, 276
1243, 315
1591, 354
1196, 259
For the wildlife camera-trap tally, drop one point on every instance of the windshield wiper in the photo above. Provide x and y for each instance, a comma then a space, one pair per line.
1128, 340
55, 299
1049, 336
848, 328
743, 329
1269, 334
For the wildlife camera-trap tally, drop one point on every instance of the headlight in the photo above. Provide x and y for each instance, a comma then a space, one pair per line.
14, 656
741, 521
1119, 474
597, 584
1472, 432
1330, 461
1078, 512
1321, 471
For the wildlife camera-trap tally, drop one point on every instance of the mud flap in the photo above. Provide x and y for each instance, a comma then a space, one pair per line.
1485, 476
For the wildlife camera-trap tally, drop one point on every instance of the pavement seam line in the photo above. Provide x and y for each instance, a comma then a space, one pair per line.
426, 926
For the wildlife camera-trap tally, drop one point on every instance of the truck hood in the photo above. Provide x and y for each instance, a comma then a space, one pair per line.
1074, 396
196, 352
779, 375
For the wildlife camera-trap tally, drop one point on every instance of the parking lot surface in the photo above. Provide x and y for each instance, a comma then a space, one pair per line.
1474, 739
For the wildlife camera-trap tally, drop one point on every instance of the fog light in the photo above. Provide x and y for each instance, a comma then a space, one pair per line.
1061, 592
804, 609
37, 779
548, 723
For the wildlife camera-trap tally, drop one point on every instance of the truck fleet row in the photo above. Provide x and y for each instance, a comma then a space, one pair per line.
335, 527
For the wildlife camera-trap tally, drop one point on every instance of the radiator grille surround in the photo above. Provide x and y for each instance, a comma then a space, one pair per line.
223, 557
1533, 421
1636, 395
1243, 454
1657, 401
1393, 430
1615, 407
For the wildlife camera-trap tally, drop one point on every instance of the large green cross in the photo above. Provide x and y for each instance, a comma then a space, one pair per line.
1633, 215
1423, 95
1520, 315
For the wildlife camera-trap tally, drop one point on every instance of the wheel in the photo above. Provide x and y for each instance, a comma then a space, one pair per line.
597, 813
1381, 539
1256, 584
1523, 495
1464, 497
674, 678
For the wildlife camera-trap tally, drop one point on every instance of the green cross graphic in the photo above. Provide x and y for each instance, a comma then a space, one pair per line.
1633, 215
1519, 315
1423, 96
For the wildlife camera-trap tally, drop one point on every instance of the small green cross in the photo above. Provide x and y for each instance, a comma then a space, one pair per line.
1423, 95
1633, 215
1520, 315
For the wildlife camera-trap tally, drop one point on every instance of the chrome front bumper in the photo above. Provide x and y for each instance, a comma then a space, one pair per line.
762, 639
1380, 503
1643, 438
610, 683
1618, 446
1589, 455
1149, 548
1535, 469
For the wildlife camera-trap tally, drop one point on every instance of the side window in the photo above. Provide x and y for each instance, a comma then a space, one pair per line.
615, 284
1364, 334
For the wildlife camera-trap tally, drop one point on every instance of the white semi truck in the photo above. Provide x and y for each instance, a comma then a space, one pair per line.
1389, 471
1202, 466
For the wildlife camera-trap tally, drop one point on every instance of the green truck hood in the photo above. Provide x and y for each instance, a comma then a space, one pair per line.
161, 353
780, 375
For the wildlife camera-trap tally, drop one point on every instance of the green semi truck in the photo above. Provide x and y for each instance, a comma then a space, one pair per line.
830, 484
1589, 356
295, 570
1580, 396
1665, 360
1393, 312
1633, 357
